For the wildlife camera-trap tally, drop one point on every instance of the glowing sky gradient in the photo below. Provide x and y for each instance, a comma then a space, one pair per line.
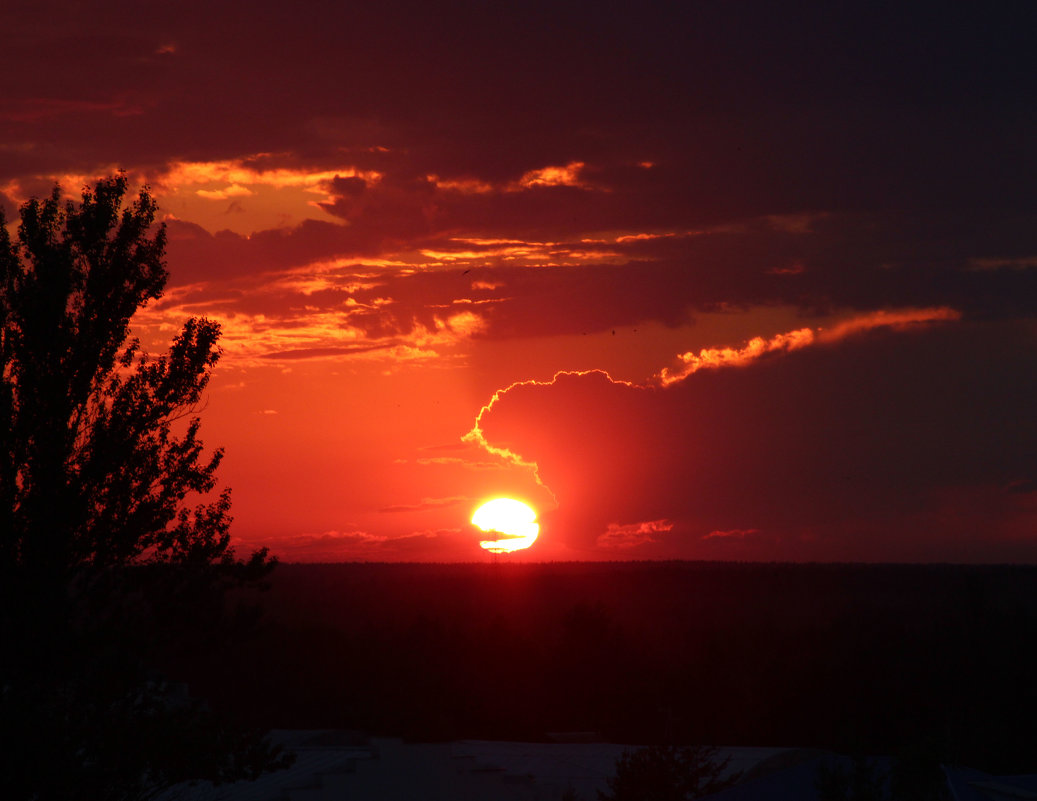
698, 280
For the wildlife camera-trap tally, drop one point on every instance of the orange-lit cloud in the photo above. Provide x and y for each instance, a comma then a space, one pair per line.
569, 175
464, 186
310, 332
724, 357
896, 319
643, 237
793, 340
234, 190
248, 171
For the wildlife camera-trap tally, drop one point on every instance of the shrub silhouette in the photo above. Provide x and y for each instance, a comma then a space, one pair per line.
668, 773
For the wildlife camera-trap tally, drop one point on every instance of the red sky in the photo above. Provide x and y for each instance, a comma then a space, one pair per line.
700, 280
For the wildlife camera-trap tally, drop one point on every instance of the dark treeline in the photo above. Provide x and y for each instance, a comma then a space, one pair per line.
937, 660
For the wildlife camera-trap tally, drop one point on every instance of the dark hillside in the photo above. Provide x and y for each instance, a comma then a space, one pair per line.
879, 658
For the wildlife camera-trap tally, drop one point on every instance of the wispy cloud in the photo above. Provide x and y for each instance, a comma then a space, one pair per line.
757, 347
731, 534
234, 190
631, 535
426, 503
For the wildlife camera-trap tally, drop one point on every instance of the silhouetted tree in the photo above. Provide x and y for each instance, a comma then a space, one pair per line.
668, 773
101, 549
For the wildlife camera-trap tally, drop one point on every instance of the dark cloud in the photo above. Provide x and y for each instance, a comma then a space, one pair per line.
981, 266
721, 272
392, 214
197, 255
751, 106
901, 134
874, 435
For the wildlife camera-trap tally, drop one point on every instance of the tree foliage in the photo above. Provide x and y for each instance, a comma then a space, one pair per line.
92, 471
107, 549
668, 773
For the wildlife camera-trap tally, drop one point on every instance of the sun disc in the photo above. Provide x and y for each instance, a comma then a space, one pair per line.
514, 522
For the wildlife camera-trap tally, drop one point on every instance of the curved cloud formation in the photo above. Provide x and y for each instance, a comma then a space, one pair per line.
886, 445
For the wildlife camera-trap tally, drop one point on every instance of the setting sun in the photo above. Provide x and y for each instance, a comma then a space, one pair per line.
513, 520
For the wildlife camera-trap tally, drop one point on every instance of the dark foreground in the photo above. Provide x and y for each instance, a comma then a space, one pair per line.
939, 661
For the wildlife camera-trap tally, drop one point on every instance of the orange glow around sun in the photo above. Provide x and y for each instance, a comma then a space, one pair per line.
513, 521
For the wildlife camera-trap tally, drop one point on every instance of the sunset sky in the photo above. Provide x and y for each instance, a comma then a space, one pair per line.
741, 280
